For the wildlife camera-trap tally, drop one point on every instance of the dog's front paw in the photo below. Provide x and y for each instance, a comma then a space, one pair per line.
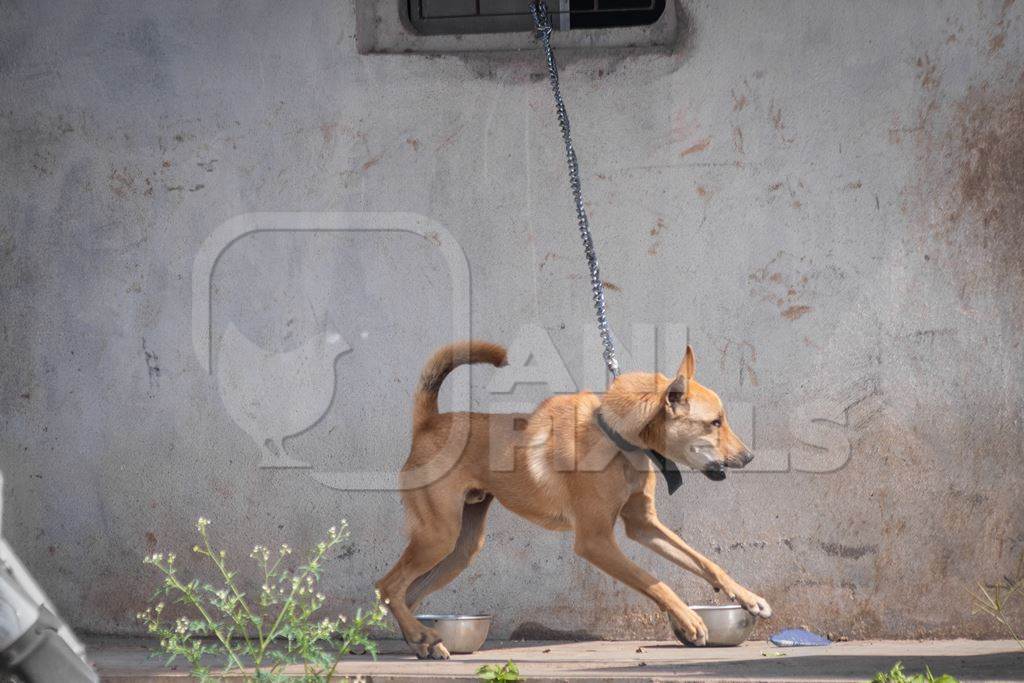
751, 602
689, 628
438, 651
429, 646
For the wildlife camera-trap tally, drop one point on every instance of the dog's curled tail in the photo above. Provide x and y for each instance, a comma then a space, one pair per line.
444, 360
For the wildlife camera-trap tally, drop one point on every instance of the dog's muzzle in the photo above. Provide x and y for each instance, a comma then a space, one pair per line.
742, 460
701, 457
715, 471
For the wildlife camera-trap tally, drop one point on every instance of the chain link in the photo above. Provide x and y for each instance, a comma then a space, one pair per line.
541, 19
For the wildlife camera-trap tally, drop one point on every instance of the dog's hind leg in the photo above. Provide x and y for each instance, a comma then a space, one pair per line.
643, 526
470, 542
435, 518
597, 545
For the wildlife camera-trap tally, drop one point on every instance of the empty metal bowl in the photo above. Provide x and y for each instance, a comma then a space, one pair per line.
727, 624
462, 634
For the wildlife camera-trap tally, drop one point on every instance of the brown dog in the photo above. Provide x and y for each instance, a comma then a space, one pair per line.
563, 472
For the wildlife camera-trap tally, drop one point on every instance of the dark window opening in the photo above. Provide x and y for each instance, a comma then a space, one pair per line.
436, 17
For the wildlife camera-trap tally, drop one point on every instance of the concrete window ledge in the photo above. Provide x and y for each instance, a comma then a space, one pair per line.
381, 27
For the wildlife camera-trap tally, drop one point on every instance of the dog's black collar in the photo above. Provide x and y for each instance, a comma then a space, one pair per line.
668, 469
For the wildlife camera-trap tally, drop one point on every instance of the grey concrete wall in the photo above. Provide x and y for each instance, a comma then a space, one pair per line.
826, 198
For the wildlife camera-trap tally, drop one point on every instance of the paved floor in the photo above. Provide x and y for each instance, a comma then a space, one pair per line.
125, 661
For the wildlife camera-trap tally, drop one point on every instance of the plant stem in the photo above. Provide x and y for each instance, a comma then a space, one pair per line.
295, 586
234, 590
212, 624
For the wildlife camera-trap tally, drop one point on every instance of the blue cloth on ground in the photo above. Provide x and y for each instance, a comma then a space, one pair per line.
792, 637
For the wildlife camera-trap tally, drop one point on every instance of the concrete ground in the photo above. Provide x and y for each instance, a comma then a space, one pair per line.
125, 661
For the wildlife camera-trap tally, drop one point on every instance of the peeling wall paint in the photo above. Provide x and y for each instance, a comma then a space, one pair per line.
825, 198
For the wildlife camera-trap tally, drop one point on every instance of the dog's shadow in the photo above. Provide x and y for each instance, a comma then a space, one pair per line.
534, 631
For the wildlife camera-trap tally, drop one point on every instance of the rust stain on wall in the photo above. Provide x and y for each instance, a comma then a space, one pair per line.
791, 283
926, 73
697, 147
967, 202
794, 312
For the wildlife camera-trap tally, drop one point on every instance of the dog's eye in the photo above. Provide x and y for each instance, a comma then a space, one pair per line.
716, 423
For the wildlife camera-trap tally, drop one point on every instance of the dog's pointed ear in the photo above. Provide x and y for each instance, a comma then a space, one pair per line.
675, 396
688, 367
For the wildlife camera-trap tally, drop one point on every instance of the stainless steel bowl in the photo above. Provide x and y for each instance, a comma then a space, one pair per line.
462, 634
727, 624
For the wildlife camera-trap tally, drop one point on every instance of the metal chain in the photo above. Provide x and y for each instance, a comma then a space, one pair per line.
541, 19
